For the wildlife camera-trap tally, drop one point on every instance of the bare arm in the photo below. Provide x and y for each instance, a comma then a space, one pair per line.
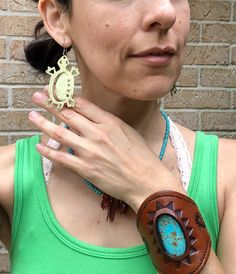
227, 174
7, 158
5, 228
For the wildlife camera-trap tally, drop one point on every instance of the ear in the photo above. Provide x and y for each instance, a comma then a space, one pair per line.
55, 22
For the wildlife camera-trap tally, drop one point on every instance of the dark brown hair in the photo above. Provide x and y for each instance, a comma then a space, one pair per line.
44, 51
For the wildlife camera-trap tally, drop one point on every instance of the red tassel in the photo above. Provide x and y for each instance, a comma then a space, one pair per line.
112, 206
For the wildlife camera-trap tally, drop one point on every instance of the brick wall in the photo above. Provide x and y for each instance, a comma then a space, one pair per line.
207, 86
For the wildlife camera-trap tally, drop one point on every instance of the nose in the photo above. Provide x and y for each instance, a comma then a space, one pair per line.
158, 14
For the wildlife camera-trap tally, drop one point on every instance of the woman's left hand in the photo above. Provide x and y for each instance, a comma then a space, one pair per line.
108, 152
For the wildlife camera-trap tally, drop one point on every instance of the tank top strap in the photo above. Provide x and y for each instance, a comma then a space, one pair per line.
203, 182
24, 171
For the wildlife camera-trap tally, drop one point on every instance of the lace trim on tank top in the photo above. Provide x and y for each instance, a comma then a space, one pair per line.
184, 161
48, 164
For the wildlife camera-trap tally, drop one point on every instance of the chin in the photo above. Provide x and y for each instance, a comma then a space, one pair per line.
152, 87
150, 93
147, 95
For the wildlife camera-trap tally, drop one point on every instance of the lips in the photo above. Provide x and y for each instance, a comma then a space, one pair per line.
156, 56
156, 51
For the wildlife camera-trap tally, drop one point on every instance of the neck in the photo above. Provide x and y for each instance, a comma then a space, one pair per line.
144, 116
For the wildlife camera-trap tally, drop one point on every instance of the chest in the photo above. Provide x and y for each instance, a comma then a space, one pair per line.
78, 211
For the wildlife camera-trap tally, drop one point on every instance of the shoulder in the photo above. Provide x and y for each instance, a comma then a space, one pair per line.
227, 163
227, 179
7, 160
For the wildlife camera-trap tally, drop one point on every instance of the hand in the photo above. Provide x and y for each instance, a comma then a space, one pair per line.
108, 152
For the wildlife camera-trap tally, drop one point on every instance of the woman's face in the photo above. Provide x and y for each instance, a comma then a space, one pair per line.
134, 48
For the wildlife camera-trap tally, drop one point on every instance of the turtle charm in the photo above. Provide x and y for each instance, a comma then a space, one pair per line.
61, 85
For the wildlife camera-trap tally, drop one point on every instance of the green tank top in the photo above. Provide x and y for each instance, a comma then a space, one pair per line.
40, 245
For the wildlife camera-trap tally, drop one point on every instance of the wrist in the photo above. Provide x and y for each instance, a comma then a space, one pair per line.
137, 199
159, 179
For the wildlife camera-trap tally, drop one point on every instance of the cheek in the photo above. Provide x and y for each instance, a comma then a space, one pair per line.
184, 24
102, 51
183, 31
99, 33
101, 47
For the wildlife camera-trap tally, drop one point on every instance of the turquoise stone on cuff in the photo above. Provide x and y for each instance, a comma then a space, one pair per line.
171, 235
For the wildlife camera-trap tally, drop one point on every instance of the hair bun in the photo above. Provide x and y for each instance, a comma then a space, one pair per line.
43, 51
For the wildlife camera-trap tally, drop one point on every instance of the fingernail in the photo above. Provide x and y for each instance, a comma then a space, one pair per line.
33, 114
40, 146
39, 96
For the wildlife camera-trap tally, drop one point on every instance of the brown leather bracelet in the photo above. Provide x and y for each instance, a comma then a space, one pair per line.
174, 231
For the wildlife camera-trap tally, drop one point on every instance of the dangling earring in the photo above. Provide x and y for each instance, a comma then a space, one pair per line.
62, 84
173, 91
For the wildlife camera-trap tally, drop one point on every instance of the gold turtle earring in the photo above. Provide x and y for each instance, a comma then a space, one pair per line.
62, 84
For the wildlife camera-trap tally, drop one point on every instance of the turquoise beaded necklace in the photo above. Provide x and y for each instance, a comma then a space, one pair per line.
98, 191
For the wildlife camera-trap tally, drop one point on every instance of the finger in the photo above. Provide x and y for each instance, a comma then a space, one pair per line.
69, 116
60, 157
89, 110
60, 134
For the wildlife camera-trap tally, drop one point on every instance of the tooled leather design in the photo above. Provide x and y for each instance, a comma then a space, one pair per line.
186, 212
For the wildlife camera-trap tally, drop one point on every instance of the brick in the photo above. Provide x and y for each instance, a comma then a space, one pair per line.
21, 74
188, 77
234, 99
17, 25
17, 50
3, 140
199, 99
222, 121
24, 74
233, 61
224, 134
3, 5
17, 120
219, 33
3, 98
23, 5
14, 138
2, 49
187, 119
234, 11
206, 55
194, 32
218, 77
210, 10
22, 97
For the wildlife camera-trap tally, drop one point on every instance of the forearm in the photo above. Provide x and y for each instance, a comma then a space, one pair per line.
213, 265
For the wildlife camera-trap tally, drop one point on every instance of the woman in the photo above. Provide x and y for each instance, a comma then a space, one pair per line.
130, 55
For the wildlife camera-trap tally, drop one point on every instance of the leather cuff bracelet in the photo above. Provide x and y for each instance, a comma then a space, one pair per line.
175, 234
